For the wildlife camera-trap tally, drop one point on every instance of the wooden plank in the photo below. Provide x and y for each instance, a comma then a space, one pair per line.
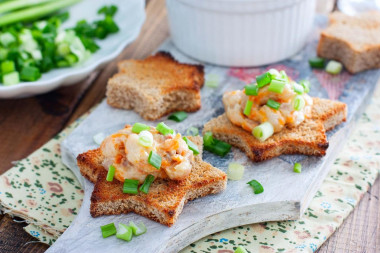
360, 232
15, 239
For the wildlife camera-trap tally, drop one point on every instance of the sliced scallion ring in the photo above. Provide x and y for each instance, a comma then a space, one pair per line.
297, 168
108, 230
131, 186
192, 131
212, 80
146, 185
192, 146
306, 85
240, 249
284, 76
235, 171
251, 90
138, 229
164, 129
208, 139
145, 138
154, 159
124, 232
277, 86
263, 79
298, 88
317, 62
298, 102
274, 73
110, 173
248, 107
273, 104
257, 187
178, 116
334, 67
263, 131
138, 127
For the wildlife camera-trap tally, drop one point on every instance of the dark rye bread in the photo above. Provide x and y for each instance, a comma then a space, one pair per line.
308, 138
156, 86
352, 40
165, 199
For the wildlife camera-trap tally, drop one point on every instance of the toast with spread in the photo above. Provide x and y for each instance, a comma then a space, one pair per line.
166, 197
156, 86
276, 117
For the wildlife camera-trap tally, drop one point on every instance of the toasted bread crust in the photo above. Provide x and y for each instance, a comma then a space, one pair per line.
156, 86
308, 138
165, 199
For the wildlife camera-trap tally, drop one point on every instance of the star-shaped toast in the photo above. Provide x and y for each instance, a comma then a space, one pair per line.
165, 199
308, 138
352, 40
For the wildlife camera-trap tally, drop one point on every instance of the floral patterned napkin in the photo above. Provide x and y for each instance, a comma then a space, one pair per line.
47, 195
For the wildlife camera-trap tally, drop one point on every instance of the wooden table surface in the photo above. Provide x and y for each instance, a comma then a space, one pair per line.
26, 124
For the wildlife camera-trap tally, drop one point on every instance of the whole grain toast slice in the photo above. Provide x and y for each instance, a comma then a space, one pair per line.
352, 40
165, 199
308, 138
156, 86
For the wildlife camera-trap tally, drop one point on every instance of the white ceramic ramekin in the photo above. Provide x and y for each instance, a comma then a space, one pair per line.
240, 32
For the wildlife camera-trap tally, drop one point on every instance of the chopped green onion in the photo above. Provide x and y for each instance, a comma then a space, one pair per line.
138, 127
284, 76
263, 131
11, 78
334, 67
297, 168
30, 74
138, 229
154, 159
317, 63
208, 139
257, 187
34, 12
164, 129
273, 104
298, 103
274, 73
98, 138
63, 49
263, 79
248, 107
145, 138
192, 131
110, 173
125, 232
218, 147
7, 67
192, 146
130, 186
298, 88
147, 182
212, 80
306, 85
6, 39
108, 230
240, 249
178, 116
276, 86
251, 90
235, 171
108, 10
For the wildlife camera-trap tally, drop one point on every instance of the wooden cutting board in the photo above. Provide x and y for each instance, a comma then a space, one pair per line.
286, 194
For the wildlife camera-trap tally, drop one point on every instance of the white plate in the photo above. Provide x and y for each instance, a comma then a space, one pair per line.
129, 17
